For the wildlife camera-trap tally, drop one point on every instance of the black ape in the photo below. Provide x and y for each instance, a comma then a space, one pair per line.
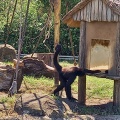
67, 75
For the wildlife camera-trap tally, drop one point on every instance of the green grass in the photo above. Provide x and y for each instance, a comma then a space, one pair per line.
99, 87
9, 100
8, 63
42, 84
39, 81
95, 87
66, 63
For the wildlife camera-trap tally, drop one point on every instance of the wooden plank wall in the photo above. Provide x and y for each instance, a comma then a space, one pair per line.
96, 10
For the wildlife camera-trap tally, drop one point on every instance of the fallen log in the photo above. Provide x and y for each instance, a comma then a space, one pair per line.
27, 66
37, 68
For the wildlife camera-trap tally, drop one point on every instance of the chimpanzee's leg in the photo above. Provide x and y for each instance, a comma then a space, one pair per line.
68, 87
60, 87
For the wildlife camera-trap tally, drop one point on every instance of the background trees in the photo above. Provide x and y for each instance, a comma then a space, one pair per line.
37, 16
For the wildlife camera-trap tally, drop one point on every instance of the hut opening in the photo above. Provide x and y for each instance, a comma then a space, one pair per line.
100, 54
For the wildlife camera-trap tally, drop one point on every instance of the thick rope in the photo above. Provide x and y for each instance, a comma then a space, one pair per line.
46, 28
73, 53
70, 37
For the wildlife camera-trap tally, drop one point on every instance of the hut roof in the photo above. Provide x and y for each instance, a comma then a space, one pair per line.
114, 5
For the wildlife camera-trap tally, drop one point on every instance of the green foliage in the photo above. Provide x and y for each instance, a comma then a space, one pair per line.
37, 15
6, 99
65, 40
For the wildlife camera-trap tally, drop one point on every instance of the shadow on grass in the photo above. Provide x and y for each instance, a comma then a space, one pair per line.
102, 109
40, 105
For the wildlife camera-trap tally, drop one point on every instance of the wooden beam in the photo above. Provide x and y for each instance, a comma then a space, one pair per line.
82, 90
116, 93
82, 64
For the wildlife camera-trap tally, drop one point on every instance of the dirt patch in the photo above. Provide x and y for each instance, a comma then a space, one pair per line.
38, 105
34, 106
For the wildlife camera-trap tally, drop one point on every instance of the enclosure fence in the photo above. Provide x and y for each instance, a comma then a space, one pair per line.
61, 57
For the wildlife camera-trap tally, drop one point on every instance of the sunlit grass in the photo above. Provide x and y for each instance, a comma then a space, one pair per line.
100, 88
95, 87
42, 83
8, 63
66, 64
38, 81
9, 100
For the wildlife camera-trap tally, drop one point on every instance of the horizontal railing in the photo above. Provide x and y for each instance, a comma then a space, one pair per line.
64, 57
61, 57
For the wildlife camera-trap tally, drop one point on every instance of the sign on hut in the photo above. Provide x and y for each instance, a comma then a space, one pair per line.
99, 47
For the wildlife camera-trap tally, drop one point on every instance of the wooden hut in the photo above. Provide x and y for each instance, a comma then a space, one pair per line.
99, 22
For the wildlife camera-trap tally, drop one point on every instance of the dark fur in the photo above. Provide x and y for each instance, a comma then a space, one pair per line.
67, 75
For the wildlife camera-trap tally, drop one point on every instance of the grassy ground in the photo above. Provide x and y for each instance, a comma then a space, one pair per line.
96, 88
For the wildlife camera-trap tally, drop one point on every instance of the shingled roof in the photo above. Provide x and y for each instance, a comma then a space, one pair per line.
114, 5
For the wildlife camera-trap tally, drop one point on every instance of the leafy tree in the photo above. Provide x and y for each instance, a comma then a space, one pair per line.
36, 20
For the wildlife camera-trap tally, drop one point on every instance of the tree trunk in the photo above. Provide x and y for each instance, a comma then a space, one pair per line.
37, 68
57, 11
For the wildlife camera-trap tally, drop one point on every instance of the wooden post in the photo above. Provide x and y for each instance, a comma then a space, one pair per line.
82, 63
82, 90
116, 93
57, 11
